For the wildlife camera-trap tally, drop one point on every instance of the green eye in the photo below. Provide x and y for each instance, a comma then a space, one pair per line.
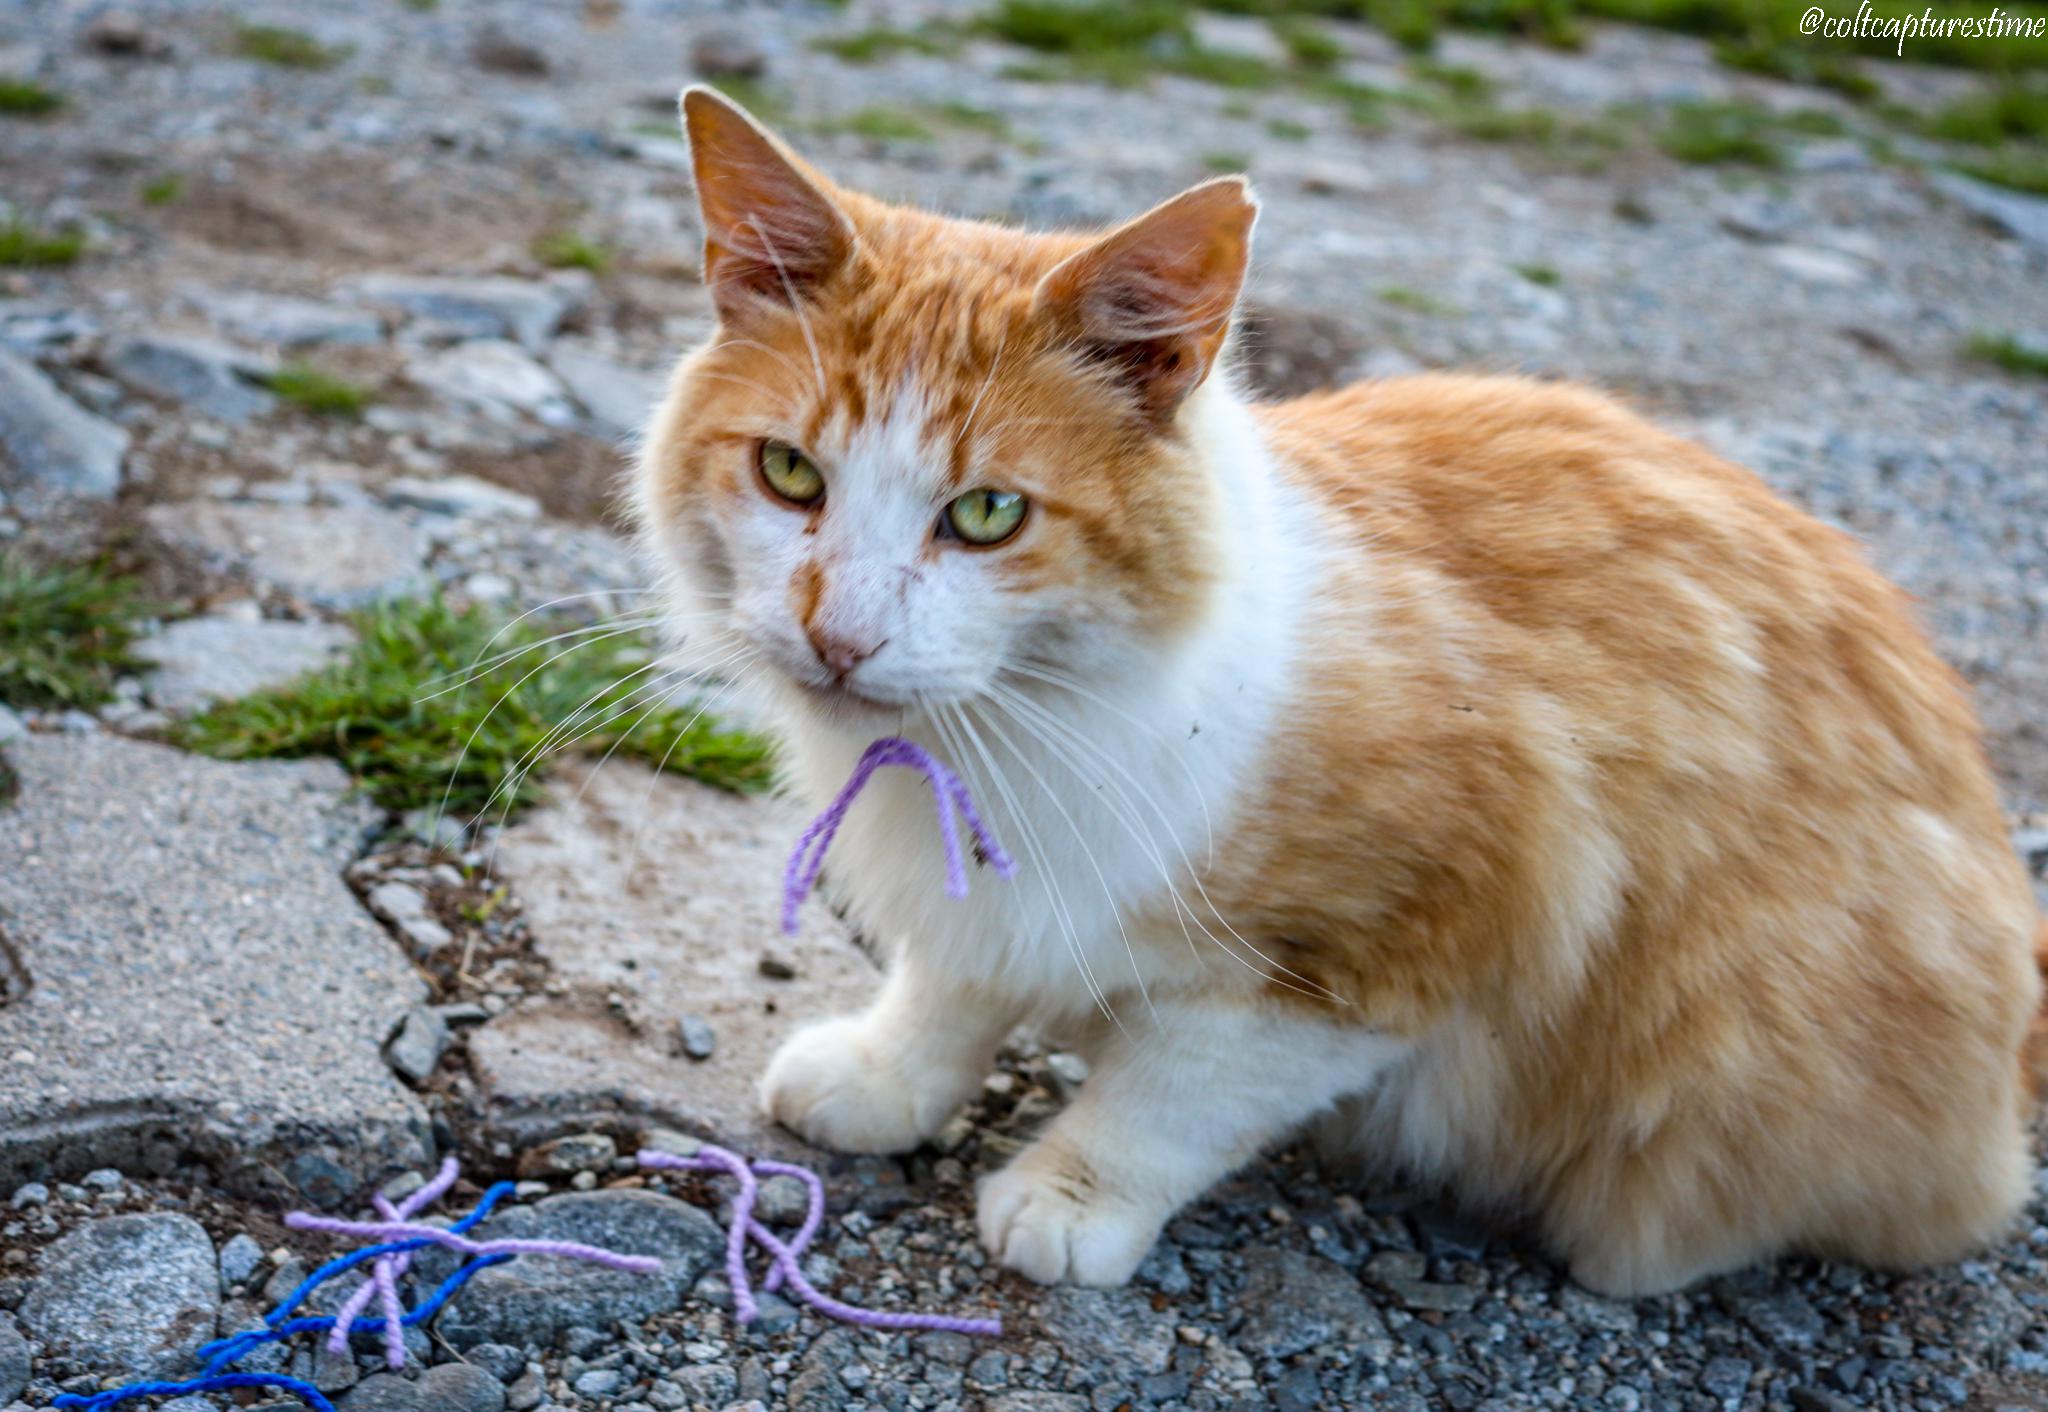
985, 516
790, 474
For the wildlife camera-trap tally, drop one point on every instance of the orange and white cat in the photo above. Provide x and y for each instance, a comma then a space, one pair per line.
1524, 795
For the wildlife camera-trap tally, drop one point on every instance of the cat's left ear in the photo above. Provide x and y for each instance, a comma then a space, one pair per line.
772, 234
1153, 298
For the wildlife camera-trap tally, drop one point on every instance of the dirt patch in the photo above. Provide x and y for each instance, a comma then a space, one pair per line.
574, 477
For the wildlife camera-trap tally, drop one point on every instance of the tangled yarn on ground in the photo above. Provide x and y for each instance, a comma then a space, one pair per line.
949, 796
399, 1238
785, 1256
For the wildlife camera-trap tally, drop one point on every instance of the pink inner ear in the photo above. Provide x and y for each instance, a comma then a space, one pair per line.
1153, 300
771, 232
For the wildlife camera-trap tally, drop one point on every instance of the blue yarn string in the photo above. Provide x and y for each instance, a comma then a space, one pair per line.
221, 1353
223, 1382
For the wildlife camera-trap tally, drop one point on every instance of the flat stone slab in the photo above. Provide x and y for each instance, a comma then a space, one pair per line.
231, 654
202, 985
655, 897
338, 556
132, 1295
54, 445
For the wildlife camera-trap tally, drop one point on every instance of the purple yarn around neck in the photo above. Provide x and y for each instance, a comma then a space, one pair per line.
785, 1256
949, 796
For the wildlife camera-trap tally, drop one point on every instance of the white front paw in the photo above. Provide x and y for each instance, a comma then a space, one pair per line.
833, 1087
1046, 1217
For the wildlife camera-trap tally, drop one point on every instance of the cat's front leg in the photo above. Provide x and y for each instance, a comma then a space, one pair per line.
888, 1078
1192, 1091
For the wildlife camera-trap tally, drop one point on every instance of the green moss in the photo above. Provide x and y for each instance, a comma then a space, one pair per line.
23, 246
1287, 130
1455, 80
311, 390
879, 124
1545, 275
434, 702
24, 98
1720, 133
286, 48
2019, 359
954, 113
1401, 296
567, 250
163, 190
65, 631
2025, 360
2022, 171
2005, 113
870, 46
1308, 44
1226, 163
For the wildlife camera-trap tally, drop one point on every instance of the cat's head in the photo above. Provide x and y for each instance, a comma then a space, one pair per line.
919, 451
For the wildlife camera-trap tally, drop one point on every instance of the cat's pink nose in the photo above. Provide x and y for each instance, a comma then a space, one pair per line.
839, 655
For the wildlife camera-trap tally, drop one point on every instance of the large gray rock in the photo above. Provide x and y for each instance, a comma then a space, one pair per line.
225, 655
53, 444
131, 1295
336, 556
461, 1387
206, 990
618, 399
1114, 1330
291, 322
2014, 212
662, 892
497, 378
203, 374
1293, 1301
531, 1299
13, 1360
484, 306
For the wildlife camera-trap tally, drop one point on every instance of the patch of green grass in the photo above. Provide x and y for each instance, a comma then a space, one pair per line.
954, 113
1401, 296
879, 124
1456, 80
1308, 44
568, 250
23, 246
1226, 163
1760, 36
1545, 275
311, 390
434, 701
25, 98
2021, 171
2019, 359
163, 190
870, 46
286, 48
422, 6
1287, 130
1720, 134
2005, 113
65, 631
1797, 63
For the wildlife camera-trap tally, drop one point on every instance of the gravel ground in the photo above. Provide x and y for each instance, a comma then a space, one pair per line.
377, 218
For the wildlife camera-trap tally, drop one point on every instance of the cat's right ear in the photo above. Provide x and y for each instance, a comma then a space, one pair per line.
772, 234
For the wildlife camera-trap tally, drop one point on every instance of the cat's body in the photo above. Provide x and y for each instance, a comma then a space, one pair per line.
1524, 793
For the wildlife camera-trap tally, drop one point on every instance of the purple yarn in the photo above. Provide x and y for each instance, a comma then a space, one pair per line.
949, 795
403, 1230
786, 1255
382, 1281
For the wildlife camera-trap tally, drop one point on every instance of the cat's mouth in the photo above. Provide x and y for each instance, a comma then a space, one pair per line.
843, 697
